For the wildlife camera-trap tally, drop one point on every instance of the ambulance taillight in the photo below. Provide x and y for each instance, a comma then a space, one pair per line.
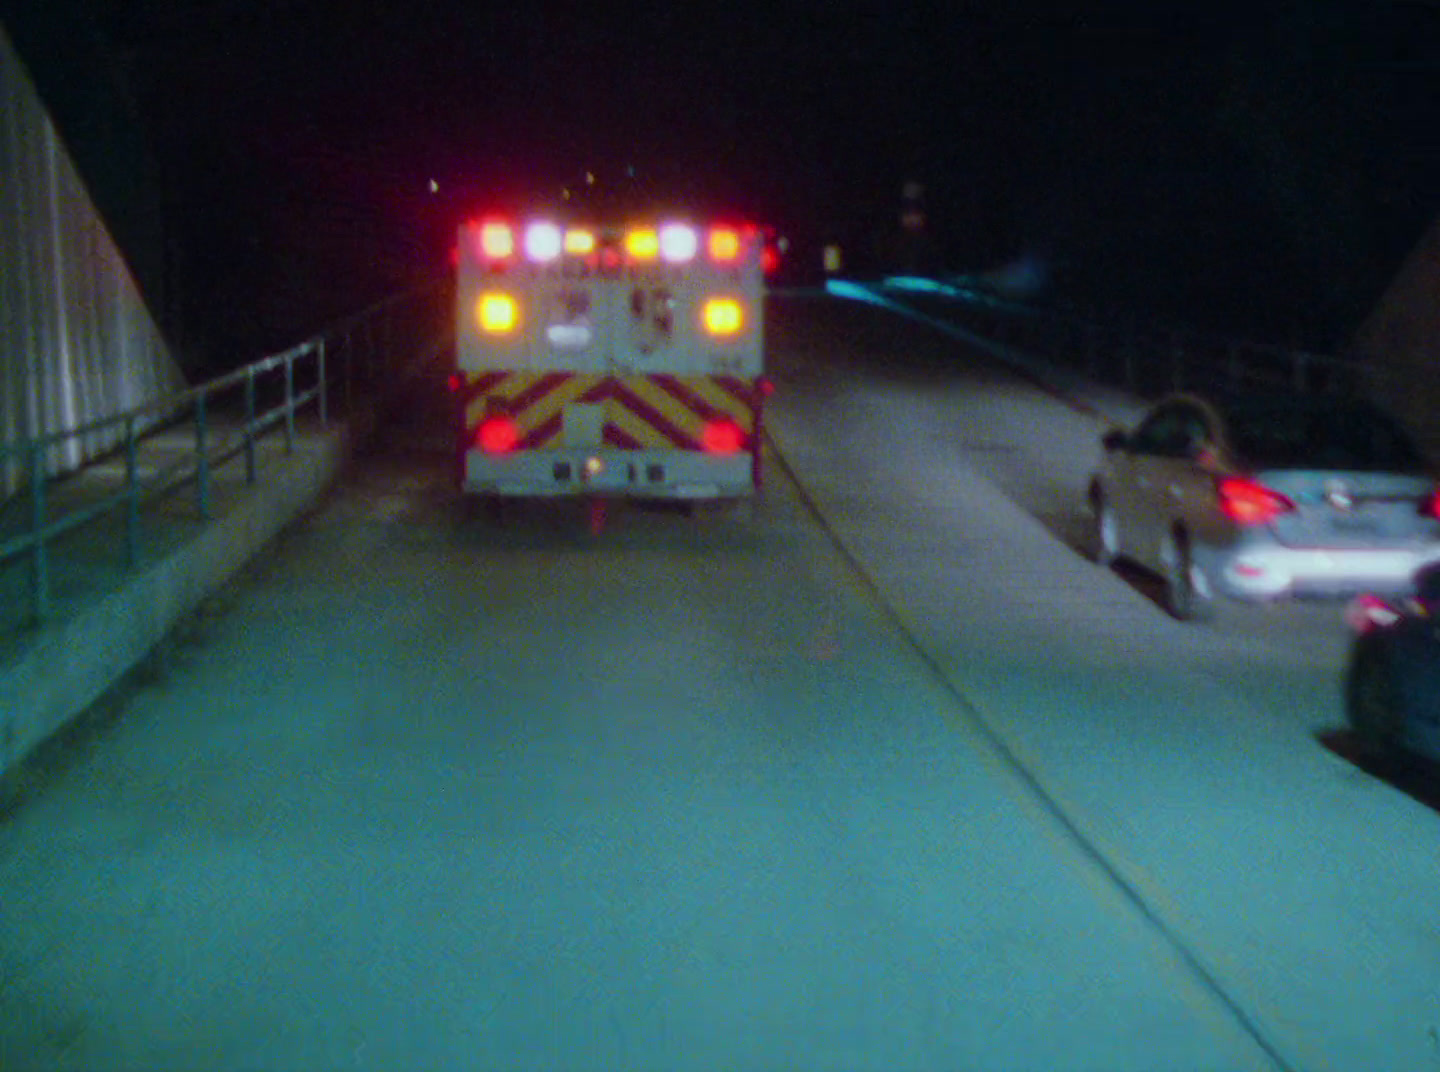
497, 434
722, 437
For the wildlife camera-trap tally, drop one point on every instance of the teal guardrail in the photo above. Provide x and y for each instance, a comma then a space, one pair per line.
1144, 359
328, 368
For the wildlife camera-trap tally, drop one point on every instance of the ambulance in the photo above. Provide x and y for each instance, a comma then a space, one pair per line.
606, 360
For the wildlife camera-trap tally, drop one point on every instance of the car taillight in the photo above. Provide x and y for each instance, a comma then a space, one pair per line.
1246, 502
1366, 613
723, 316
497, 434
1431, 507
722, 437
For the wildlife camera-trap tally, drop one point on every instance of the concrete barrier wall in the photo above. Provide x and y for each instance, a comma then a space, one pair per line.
66, 666
76, 340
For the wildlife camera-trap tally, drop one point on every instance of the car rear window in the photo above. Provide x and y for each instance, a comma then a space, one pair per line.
1343, 436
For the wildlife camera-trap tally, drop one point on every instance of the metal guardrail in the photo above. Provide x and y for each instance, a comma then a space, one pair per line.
343, 359
1144, 359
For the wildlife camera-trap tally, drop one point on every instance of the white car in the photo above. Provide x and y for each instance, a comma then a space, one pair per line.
1263, 496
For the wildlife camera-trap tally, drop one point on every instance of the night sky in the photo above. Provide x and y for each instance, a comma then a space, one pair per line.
1259, 169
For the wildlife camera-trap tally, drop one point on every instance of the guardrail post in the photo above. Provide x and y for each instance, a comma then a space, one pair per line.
290, 403
250, 425
39, 553
349, 373
369, 350
202, 458
320, 373
132, 496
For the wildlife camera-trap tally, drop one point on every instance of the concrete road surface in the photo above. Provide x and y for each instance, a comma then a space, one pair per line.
423, 791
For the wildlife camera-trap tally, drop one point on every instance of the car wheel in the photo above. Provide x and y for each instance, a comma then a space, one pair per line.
1371, 701
1104, 531
1185, 597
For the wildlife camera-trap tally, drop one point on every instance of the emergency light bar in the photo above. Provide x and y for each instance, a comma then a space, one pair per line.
579, 242
678, 243
642, 243
724, 244
544, 241
497, 241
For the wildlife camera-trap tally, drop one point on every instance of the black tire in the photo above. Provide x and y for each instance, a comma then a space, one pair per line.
482, 510
1372, 700
1184, 599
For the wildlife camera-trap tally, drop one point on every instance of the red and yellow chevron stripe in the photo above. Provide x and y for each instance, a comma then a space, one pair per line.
641, 412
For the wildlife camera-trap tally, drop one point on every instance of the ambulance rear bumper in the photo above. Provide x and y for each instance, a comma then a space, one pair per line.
648, 474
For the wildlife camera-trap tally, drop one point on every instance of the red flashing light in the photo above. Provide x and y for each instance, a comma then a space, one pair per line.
497, 434
1246, 502
723, 437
